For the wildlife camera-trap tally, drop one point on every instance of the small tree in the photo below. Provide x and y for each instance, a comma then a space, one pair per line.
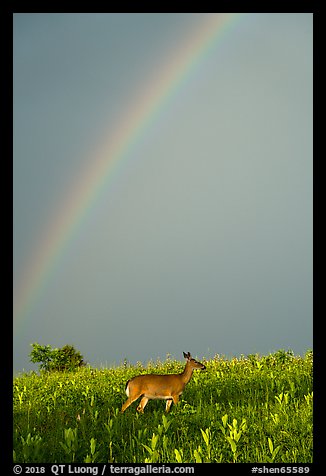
66, 358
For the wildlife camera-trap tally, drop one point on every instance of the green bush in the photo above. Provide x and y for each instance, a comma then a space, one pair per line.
66, 358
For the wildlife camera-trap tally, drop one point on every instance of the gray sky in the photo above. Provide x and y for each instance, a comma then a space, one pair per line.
202, 242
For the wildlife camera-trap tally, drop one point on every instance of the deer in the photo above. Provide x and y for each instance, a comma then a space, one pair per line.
164, 387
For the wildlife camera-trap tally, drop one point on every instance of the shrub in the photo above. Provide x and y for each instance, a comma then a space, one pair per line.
65, 358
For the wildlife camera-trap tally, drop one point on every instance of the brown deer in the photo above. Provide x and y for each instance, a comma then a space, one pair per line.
164, 387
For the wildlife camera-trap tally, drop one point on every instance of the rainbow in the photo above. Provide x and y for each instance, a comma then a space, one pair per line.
114, 153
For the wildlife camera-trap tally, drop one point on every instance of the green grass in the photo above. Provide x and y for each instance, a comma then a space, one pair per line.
251, 409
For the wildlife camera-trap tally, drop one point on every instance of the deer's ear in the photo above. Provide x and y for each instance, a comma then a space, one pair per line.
187, 355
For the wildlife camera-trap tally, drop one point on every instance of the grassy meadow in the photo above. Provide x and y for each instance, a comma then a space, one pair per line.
247, 409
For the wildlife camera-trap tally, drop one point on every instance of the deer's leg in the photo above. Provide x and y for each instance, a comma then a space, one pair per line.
128, 402
168, 405
142, 404
175, 399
